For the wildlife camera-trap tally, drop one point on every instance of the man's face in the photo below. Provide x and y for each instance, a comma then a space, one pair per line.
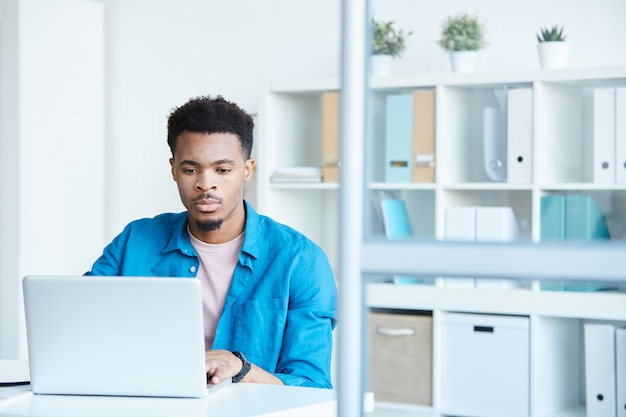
210, 171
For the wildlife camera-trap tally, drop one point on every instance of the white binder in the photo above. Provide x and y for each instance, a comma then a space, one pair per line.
460, 225
519, 135
620, 134
494, 143
620, 367
600, 369
604, 135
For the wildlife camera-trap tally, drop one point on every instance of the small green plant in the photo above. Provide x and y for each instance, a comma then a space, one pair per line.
551, 35
462, 32
387, 40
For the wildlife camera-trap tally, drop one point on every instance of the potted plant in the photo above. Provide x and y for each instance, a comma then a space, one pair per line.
388, 43
552, 47
462, 35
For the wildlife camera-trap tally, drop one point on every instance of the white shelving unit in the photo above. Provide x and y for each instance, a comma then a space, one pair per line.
291, 135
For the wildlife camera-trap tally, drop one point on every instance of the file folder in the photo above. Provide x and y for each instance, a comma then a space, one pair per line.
604, 135
620, 369
396, 219
600, 369
552, 222
424, 104
519, 135
399, 138
330, 137
620, 134
584, 219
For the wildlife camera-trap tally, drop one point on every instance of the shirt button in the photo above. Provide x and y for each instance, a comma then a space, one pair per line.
193, 269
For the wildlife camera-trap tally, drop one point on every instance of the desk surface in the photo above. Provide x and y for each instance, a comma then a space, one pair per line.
236, 400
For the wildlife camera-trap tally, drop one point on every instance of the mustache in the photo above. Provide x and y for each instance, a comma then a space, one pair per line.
207, 196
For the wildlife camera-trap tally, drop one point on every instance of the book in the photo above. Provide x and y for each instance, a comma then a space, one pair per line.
330, 137
494, 143
424, 133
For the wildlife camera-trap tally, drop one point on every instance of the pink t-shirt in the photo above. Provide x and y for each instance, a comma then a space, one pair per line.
217, 263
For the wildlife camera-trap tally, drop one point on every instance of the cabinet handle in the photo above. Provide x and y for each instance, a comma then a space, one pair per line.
386, 331
484, 329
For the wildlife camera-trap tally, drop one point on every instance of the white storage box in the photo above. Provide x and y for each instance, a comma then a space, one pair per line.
485, 365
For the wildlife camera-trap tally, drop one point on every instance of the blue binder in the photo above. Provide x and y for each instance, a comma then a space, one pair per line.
399, 138
553, 218
584, 219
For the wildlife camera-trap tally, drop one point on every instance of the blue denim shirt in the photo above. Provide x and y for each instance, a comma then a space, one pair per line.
280, 307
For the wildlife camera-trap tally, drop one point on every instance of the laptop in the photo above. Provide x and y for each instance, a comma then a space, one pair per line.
123, 336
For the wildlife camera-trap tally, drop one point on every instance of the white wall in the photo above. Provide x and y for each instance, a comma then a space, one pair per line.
52, 147
160, 53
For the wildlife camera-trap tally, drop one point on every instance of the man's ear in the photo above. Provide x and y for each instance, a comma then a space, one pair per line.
173, 170
249, 169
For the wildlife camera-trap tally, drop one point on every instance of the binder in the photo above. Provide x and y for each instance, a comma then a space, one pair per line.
600, 369
396, 219
330, 137
604, 135
460, 225
584, 219
424, 132
519, 127
496, 224
620, 369
494, 143
552, 221
399, 138
620, 134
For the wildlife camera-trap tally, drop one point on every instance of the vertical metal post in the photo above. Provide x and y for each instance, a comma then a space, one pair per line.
351, 171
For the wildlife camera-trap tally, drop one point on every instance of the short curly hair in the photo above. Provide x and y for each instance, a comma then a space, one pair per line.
211, 115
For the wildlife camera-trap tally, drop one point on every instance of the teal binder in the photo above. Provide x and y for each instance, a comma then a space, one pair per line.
584, 219
399, 138
553, 218
396, 219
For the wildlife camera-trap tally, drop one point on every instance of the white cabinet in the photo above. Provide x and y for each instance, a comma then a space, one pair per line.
560, 162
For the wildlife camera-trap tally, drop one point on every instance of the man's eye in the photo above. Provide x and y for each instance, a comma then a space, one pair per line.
189, 170
223, 170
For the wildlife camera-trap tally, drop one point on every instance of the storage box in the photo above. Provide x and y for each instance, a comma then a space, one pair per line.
485, 365
400, 358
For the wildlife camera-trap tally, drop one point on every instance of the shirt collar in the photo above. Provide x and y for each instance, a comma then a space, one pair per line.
180, 237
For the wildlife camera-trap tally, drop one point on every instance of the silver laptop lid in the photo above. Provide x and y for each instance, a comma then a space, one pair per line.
115, 336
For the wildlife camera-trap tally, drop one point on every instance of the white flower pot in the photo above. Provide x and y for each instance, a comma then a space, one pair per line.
553, 55
381, 65
463, 61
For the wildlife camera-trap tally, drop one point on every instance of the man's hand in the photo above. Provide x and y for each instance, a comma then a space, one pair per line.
222, 364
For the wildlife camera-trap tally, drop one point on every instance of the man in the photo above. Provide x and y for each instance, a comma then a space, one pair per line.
268, 292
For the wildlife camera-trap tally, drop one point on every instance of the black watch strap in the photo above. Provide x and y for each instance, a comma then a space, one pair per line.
244, 369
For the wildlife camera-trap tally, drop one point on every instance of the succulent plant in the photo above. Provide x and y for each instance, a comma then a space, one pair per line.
551, 35
462, 32
387, 40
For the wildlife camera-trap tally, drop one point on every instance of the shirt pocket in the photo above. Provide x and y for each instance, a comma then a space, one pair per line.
259, 329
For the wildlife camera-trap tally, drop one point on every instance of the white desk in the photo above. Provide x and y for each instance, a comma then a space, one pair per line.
236, 400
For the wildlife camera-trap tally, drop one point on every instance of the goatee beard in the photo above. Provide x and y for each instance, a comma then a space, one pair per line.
209, 225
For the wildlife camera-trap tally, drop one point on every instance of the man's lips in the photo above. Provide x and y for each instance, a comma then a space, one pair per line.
206, 205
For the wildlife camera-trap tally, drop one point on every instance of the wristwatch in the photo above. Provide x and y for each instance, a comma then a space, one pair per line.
244, 369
